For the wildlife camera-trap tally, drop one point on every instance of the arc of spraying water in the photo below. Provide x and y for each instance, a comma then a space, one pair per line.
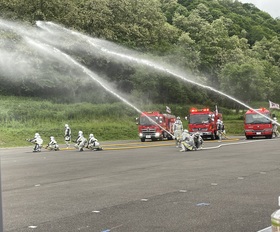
153, 65
166, 70
18, 29
94, 42
94, 77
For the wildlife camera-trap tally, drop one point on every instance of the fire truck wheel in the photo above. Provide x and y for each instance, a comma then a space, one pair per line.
142, 139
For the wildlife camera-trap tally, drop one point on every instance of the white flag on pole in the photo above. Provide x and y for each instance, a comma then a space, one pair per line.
273, 105
216, 110
168, 110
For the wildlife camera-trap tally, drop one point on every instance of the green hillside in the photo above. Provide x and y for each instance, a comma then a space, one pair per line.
225, 44
88, 62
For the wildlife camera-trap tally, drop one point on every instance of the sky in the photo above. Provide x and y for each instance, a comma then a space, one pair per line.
270, 6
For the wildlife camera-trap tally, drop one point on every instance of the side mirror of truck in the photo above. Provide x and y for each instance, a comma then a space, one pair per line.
137, 121
186, 117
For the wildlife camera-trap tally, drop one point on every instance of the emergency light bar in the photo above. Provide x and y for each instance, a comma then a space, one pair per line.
193, 110
260, 109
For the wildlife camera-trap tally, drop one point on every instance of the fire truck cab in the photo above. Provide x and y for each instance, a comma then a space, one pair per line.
155, 126
257, 123
204, 121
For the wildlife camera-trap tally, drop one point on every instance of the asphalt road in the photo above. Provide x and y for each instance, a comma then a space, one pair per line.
142, 187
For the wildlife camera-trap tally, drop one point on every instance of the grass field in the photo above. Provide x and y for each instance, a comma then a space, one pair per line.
21, 118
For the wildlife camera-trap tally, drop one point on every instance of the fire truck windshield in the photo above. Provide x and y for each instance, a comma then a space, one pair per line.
199, 118
256, 119
146, 121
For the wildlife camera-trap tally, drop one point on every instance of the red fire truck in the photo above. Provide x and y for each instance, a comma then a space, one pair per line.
257, 123
155, 126
204, 121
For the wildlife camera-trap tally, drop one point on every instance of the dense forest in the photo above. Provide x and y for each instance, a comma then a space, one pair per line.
230, 46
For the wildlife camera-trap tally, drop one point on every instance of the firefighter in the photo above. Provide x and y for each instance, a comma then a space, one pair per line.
223, 130
178, 129
52, 145
67, 135
81, 141
93, 143
187, 143
38, 141
220, 129
211, 118
198, 141
275, 127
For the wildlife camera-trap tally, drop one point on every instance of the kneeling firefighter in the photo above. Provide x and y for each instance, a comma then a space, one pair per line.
198, 141
38, 141
52, 145
187, 142
81, 141
93, 143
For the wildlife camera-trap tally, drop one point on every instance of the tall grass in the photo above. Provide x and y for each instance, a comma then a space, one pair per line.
21, 117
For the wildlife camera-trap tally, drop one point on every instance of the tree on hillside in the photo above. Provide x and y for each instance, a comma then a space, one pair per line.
171, 7
222, 42
136, 23
245, 80
268, 50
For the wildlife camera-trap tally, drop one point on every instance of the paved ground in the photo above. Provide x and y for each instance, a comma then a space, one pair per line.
228, 186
